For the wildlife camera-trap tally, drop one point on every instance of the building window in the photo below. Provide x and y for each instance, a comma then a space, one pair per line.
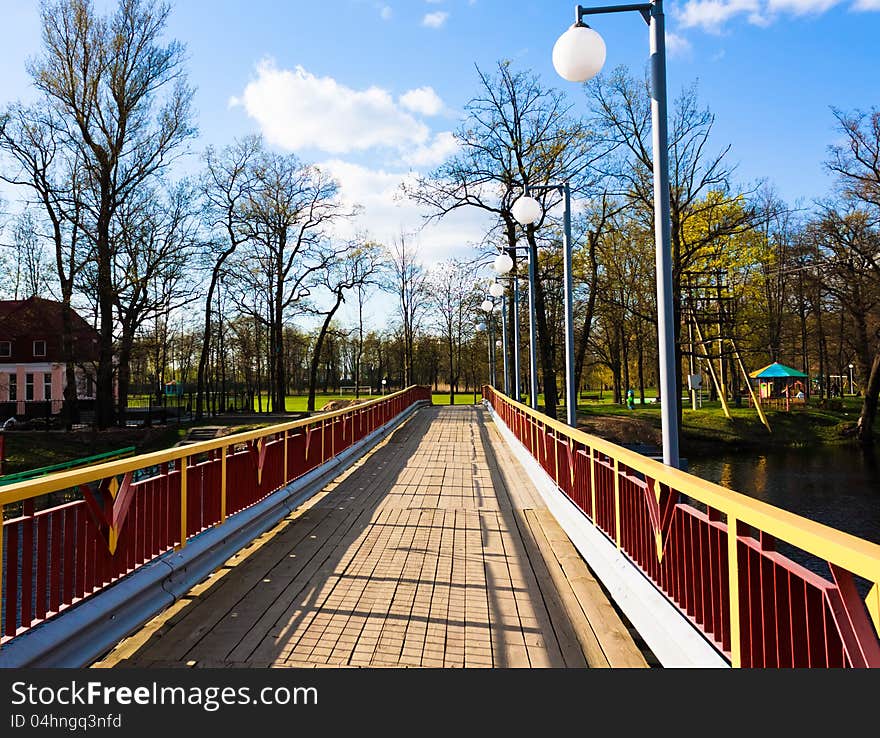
39, 348
13, 387
5, 349
28, 386
47, 386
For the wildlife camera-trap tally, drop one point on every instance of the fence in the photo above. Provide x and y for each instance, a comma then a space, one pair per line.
123, 514
692, 538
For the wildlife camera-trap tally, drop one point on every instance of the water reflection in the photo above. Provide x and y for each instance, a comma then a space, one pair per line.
837, 486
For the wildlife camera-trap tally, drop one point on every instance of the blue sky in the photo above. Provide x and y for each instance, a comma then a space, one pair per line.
372, 88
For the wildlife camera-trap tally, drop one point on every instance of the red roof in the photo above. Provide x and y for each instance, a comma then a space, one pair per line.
36, 319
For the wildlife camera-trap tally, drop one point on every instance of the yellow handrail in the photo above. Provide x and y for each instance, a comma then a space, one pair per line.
73, 478
855, 554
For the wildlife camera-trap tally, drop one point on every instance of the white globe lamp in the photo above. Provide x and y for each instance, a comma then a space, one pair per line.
487, 306
496, 289
503, 263
526, 210
579, 54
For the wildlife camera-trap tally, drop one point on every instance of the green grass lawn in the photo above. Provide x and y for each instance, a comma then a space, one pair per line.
466, 398
297, 403
801, 426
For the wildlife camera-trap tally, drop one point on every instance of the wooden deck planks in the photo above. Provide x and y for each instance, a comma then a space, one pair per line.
433, 551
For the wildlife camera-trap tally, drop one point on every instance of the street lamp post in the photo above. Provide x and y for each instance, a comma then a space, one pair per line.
527, 210
487, 307
578, 56
497, 290
503, 264
533, 366
851, 388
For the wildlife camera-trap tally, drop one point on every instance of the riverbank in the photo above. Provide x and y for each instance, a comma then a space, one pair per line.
707, 429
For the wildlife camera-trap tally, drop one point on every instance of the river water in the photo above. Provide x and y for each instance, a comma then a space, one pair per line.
835, 485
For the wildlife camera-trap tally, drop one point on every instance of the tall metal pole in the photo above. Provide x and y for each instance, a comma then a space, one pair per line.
515, 337
491, 353
663, 238
533, 360
504, 343
570, 389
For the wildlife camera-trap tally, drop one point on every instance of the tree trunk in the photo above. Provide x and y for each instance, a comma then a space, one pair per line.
104, 400
124, 376
206, 338
316, 355
545, 344
71, 406
869, 404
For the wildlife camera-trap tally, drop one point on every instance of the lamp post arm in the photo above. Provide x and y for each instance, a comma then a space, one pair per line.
643, 8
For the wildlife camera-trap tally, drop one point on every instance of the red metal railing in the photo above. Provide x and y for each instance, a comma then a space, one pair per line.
125, 513
692, 538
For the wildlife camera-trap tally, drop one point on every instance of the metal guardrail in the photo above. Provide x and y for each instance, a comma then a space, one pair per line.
72, 464
692, 539
134, 510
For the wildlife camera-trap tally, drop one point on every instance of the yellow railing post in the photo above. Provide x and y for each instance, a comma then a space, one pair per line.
733, 591
184, 463
555, 457
284, 476
223, 451
593, 485
617, 502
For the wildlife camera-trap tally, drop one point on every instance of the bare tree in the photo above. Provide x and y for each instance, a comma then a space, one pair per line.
31, 256
454, 299
408, 283
856, 162
369, 271
103, 77
155, 236
31, 138
517, 132
353, 266
227, 188
286, 220
700, 181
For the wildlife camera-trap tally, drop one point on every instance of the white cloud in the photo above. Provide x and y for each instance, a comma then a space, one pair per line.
441, 148
385, 12
435, 20
677, 45
297, 110
800, 7
710, 15
422, 100
385, 215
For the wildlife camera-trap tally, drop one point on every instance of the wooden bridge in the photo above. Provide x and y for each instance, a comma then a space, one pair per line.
395, 534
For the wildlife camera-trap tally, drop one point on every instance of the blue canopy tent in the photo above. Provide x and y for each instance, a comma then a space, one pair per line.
780, 382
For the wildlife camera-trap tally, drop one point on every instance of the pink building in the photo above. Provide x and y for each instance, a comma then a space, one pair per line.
32, 368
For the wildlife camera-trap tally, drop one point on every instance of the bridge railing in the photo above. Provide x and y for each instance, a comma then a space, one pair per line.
69, 535
693, 538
